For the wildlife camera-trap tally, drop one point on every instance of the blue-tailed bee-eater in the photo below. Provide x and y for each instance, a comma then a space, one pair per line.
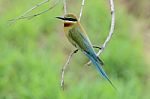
78, 37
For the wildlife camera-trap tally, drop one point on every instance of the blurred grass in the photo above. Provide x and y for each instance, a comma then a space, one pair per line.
32, 53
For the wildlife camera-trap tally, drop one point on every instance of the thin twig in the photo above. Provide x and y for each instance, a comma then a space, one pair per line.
64, 67
34, 7
112, 8
65, 6
81, 10
31, 16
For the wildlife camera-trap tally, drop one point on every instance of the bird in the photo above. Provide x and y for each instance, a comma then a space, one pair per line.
78, 38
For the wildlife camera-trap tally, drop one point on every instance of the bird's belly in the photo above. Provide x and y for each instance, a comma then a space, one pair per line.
70, 39
77, 39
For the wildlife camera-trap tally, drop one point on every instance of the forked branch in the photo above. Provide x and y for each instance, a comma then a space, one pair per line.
71, 54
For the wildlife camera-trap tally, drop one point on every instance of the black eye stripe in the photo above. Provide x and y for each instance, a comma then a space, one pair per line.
70, 19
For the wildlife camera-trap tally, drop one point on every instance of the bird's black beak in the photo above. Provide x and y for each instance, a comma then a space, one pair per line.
62, 18
67, 19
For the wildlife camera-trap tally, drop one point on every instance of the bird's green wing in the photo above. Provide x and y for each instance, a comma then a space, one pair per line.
82, 42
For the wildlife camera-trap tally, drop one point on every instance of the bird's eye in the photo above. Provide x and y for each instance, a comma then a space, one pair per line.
70, 19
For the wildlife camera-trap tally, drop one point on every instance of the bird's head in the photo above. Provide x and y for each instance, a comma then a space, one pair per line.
69, 20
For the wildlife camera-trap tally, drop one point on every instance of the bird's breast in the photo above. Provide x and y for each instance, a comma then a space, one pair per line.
69, 32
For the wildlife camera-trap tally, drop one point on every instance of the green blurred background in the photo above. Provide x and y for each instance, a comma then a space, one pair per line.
32, 52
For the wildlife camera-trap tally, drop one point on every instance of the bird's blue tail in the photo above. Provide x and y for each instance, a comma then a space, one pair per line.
96, 62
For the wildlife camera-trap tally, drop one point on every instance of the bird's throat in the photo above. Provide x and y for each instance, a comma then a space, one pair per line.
68, 24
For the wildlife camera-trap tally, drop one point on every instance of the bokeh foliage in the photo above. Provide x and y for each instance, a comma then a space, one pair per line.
32, 53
